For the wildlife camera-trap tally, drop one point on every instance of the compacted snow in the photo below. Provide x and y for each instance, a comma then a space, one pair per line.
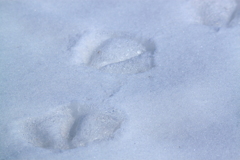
114, 80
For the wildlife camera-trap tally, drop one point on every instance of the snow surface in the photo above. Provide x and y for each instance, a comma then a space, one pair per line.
127, 79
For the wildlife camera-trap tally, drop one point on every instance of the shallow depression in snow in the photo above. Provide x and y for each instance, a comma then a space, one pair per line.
115, 53
72, 126
215, 13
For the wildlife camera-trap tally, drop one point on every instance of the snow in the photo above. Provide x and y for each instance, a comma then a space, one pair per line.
139, 79
114, 53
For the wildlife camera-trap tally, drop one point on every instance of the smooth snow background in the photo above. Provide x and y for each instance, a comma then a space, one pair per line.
186, 107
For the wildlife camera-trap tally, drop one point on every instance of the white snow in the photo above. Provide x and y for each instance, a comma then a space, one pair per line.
114, 53
127, 79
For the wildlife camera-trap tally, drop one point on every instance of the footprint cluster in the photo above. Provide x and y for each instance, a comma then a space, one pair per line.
77, 125
73, 126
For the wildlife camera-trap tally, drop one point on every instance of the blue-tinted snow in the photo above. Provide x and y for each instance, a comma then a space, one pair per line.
139, 79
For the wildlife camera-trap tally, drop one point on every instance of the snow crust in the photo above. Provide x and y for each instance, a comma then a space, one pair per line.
139, 79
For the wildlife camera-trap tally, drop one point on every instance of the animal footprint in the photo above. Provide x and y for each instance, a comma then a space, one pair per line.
94, 127
115, 53
215, 13
72, 126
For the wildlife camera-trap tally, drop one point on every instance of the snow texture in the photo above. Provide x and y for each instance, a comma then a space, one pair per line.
72, 126
126, 79
119, 53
